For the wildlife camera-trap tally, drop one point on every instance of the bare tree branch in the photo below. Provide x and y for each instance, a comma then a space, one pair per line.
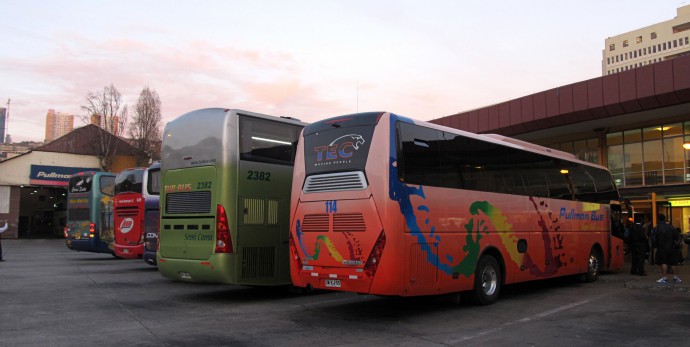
145, 129
105, 109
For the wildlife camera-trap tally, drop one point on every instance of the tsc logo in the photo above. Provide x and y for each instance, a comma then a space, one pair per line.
339, 150
126, 225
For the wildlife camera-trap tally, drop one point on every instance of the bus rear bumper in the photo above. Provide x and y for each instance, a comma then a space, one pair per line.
216, 269
332, 279
129, 252
87, 246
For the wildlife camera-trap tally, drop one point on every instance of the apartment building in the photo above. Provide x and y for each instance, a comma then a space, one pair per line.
58, 124
648, 45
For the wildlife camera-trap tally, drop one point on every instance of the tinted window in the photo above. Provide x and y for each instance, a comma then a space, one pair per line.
420, 162
435, 158
80, 184
108, 185
268, 141
154, 182
78, 214
129, 181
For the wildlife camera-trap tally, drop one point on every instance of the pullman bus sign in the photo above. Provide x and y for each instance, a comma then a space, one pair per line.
54, 175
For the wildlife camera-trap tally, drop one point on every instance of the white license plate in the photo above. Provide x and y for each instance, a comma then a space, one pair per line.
125, 250
185, 276
333, 283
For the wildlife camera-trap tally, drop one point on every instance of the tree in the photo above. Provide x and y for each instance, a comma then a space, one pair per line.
105, 109
145, 130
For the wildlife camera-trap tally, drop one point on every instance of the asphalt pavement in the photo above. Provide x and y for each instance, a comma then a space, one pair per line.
649, 281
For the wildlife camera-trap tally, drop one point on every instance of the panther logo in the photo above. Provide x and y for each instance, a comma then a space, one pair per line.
358, 140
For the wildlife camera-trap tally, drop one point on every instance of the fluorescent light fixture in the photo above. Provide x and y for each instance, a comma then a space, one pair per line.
271, 140
662, 128
564, 171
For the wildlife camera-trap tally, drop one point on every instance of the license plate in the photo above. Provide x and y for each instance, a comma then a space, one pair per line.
185, 276
333, 283
125, 250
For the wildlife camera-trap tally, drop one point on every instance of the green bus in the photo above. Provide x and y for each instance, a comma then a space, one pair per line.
225, 202
90, 212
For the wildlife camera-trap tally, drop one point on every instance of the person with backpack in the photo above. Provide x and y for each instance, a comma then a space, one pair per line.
666, 239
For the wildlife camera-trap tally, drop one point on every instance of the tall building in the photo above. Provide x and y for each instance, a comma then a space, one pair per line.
3, 122
110, 125
58, 124
648, 45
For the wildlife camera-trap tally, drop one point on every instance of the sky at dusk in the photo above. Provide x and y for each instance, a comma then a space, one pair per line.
305, 59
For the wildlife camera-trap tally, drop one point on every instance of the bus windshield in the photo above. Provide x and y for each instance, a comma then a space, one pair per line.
129, 181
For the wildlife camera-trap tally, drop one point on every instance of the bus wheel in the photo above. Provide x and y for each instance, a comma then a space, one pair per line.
487, 281
593, 266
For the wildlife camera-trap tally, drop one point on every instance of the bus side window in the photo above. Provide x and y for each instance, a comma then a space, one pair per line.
108, 185
420, 155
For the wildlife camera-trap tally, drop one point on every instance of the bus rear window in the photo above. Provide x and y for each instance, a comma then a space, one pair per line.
129, 181
80, 184
267, 141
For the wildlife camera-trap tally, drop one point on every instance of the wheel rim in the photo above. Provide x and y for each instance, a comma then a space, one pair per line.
593, 265
489, 280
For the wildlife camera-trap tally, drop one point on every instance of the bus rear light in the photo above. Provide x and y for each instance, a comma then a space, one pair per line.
375, 256
294, 254
92, 230
223, 241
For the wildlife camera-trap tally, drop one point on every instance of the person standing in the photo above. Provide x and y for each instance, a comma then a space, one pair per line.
647, 226
638, 248
2, 230
666, 239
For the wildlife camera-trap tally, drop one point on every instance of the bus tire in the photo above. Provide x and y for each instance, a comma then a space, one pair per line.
593, 266
487, 281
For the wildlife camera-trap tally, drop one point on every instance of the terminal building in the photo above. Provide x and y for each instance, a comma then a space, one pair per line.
635, 122
33, 185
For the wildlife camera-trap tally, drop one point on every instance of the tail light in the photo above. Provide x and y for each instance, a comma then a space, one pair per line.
375, 256
92, 230
294, 254
223, 241
65, 231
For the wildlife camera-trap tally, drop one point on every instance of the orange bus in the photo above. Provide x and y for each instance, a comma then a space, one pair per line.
387, 205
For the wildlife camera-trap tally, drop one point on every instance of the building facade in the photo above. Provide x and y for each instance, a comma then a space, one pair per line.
58, 124
648, 45
634, 122
33, 185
